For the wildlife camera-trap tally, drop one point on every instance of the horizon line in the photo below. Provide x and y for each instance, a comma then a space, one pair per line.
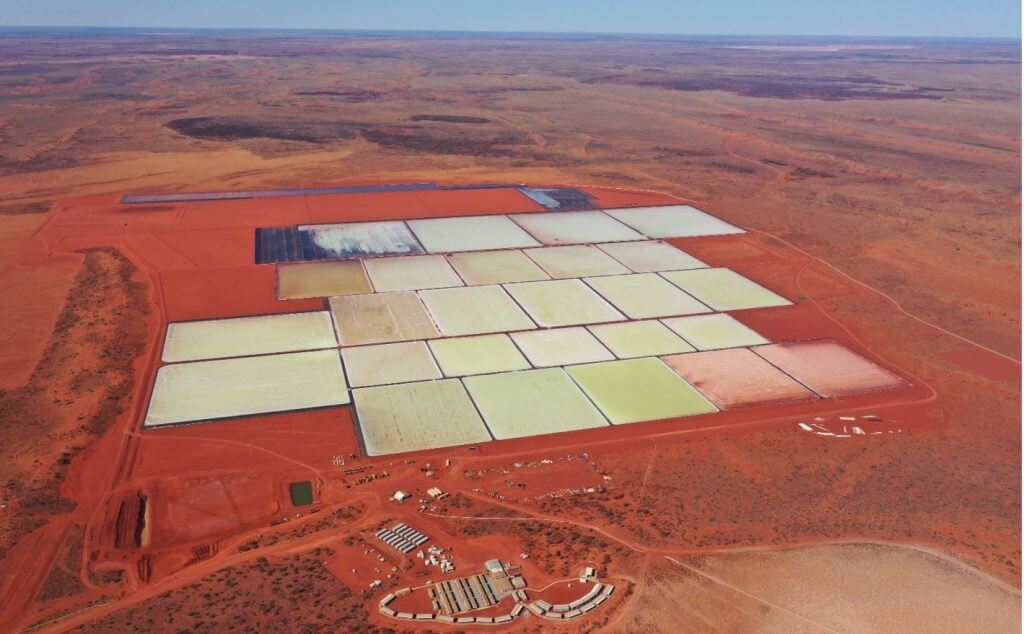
1014, 38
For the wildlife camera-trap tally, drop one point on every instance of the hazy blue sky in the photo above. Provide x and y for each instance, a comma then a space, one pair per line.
963, 18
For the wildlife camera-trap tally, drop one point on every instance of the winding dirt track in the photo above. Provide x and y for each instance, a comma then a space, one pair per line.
891, 300
779, 178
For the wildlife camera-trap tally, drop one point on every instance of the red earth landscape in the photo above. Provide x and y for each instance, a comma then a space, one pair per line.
159, 509
892, 227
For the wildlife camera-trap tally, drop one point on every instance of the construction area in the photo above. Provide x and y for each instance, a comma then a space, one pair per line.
402, 538
461, 600
466, 329
412, 370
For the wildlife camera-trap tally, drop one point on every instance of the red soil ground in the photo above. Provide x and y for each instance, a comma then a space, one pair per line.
210, 489
899, 168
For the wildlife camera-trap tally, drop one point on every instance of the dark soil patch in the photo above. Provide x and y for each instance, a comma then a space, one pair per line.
679, 152
449, 118
346, 96
826, 88
415, 141
807, 172
735, 169
25, 208
293, 594
112, 577
64, 579
232, 128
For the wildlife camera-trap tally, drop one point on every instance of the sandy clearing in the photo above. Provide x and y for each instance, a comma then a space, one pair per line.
855, 587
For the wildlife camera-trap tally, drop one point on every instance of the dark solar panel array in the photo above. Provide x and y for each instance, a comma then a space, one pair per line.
282, 244
288, 244
560, 198
479, 186
354, 189
297, 244
136, 199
